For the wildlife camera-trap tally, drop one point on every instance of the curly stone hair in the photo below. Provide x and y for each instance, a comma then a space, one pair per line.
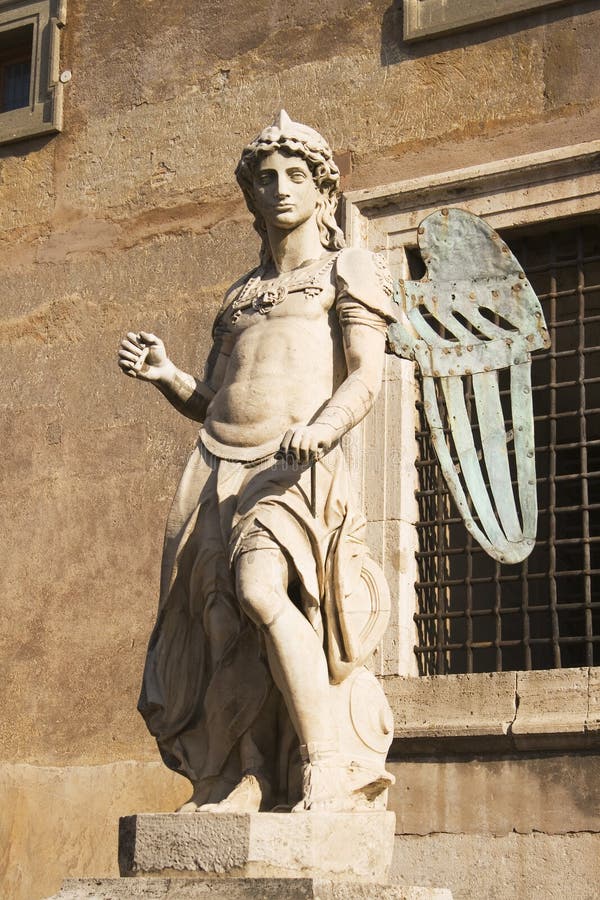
296, 140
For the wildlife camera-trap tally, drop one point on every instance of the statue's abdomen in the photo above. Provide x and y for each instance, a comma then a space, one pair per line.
280, 373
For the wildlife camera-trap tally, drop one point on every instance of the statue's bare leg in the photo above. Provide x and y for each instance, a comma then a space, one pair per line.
299, 669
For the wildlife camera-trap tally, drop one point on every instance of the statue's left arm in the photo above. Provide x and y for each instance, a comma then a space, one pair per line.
363, 303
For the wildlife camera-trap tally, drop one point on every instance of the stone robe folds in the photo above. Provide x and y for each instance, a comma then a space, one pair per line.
207, 686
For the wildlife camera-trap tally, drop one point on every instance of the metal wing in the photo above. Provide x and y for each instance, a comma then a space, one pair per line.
475, 313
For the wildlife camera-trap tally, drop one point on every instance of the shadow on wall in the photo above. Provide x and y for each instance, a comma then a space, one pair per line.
25, 147
395, 50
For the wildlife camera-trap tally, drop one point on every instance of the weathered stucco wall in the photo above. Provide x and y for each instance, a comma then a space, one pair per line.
131, 218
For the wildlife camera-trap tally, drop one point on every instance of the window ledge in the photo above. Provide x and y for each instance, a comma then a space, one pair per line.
433, 18
557, 709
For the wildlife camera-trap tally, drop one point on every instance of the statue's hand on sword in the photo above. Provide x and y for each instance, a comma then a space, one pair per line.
307, 443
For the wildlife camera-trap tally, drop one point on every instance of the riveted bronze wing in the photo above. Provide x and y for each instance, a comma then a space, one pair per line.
474, 314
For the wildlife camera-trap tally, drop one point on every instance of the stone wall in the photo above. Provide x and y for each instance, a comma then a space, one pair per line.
497, 792
131, 218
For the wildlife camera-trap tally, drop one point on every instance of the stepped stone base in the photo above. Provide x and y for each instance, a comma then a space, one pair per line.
189, 888
352, 846
256, 856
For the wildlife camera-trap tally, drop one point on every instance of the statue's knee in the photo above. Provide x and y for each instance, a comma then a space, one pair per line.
260, 589
263, 605
258, 609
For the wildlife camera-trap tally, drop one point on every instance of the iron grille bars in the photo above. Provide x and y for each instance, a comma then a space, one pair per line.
473, 613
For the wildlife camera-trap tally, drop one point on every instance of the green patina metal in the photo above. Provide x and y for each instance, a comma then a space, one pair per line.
473, 314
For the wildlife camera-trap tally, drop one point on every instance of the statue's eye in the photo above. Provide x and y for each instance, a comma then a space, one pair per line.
297, 176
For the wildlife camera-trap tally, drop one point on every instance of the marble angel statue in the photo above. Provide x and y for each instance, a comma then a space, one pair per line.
255, 685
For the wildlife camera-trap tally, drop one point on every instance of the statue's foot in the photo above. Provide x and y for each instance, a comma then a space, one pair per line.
190, 806
246, 797
325, 788
203, 790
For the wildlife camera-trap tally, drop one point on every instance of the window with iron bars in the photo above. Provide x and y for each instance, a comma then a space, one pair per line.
31, 89
474, 614
15, 68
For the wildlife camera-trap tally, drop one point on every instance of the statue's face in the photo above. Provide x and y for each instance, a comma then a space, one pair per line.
284, 191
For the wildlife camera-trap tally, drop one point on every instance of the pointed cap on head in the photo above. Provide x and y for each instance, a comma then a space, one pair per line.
282, 120
283, 130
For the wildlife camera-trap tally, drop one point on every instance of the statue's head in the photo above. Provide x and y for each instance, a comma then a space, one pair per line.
295, 139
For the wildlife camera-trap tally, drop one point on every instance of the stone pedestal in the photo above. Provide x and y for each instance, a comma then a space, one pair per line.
239, 889
259, 845
263, 856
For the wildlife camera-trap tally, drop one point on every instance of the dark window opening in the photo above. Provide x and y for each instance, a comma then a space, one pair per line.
474, 614
16, 47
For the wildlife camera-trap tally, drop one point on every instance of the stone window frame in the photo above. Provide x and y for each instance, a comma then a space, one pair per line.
511, 711
44, 114
433, 18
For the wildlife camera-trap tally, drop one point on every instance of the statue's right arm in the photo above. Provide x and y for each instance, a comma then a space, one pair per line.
143, 356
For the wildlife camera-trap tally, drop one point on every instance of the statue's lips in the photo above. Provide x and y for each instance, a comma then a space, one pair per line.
283, 207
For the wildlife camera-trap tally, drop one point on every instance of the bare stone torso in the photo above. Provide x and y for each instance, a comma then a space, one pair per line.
283, 367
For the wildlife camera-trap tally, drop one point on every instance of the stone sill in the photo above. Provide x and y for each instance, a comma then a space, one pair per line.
557, 709
433, 18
